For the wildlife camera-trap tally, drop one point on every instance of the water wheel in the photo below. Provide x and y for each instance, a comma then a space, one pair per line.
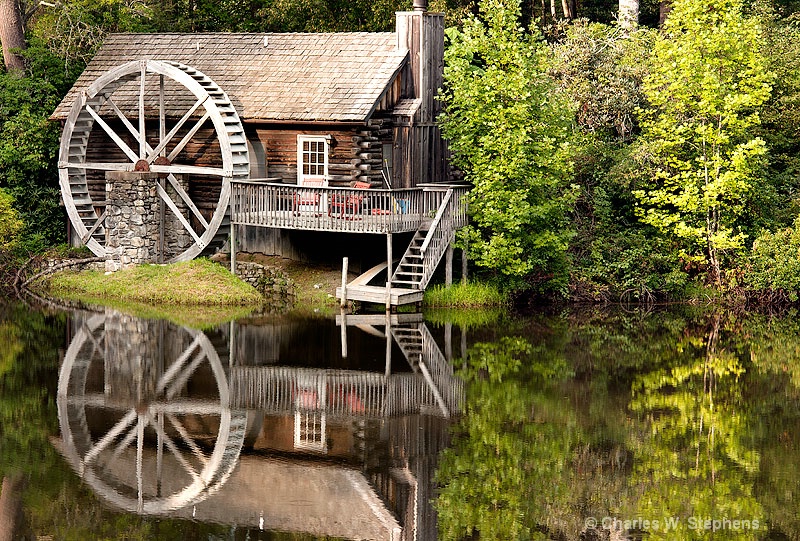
145, 416
157, 116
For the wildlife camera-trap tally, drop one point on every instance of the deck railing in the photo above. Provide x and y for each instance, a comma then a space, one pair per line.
341, 393
353, 210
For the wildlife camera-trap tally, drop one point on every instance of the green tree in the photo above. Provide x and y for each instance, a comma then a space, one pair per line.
508, 126
707, 80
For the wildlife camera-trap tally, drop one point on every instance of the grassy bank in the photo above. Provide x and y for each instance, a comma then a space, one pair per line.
469, 295
200, 282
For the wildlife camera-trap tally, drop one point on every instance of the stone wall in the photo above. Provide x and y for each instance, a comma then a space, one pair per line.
269, 281
132, 225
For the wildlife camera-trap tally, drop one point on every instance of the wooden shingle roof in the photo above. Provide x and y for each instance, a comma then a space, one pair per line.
298, 77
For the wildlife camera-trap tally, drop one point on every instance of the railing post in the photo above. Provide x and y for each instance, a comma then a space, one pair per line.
344, 282
448, 266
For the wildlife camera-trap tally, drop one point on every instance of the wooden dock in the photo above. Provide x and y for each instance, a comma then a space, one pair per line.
377, 294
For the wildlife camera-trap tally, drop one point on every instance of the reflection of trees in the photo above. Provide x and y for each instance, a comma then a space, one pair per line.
507, 469
695, 458
775, 391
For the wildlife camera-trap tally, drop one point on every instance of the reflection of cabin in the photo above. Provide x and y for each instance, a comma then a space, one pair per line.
267, 426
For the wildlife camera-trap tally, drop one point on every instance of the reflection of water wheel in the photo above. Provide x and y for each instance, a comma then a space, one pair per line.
166, 440
175, 143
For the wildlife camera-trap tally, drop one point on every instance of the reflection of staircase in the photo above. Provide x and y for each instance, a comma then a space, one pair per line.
425, 357
409, 338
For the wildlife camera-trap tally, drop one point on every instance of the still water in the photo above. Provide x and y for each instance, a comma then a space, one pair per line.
673, 424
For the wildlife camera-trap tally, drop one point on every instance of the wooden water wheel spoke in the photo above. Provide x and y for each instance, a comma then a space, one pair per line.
174, 450
100, 166
112, 134
95, 227
165, 139
188, 137
110, 436
178, 214
142, 118
162, 113
187, 439
188, 169
187, 200
127, 123
199, 139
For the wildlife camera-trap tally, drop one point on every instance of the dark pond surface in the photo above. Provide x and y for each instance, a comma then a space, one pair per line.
674, 424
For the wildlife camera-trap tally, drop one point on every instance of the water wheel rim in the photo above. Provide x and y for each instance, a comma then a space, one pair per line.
88, 224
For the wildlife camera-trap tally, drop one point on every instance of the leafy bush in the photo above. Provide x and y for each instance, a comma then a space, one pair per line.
10, 224
775, 261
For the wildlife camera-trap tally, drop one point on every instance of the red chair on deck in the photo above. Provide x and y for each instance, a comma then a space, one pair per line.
347, 205
308, 201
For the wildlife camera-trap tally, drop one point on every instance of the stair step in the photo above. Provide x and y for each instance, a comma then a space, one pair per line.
404, 282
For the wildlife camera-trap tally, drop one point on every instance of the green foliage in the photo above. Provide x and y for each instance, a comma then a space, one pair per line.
10, 224
29, 144
696, 406
774, 262
507, 128
507, 448
706, 82
775, 203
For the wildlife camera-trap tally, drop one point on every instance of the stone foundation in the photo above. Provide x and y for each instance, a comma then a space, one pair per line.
132, 225
269, 281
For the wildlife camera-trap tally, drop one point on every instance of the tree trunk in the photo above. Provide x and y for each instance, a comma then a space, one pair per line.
664, 8
628, 14
10, 506
567, 9
12, 35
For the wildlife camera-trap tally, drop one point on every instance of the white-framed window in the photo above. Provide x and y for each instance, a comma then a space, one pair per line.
312, 158
309, 431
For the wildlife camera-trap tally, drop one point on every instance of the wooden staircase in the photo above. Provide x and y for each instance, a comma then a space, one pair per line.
426, 248
416, 268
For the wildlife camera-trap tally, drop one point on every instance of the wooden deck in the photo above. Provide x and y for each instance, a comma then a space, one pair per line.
377, 294
433, 212
348, 210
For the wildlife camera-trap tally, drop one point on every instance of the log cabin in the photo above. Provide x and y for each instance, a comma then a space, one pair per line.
350, 117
